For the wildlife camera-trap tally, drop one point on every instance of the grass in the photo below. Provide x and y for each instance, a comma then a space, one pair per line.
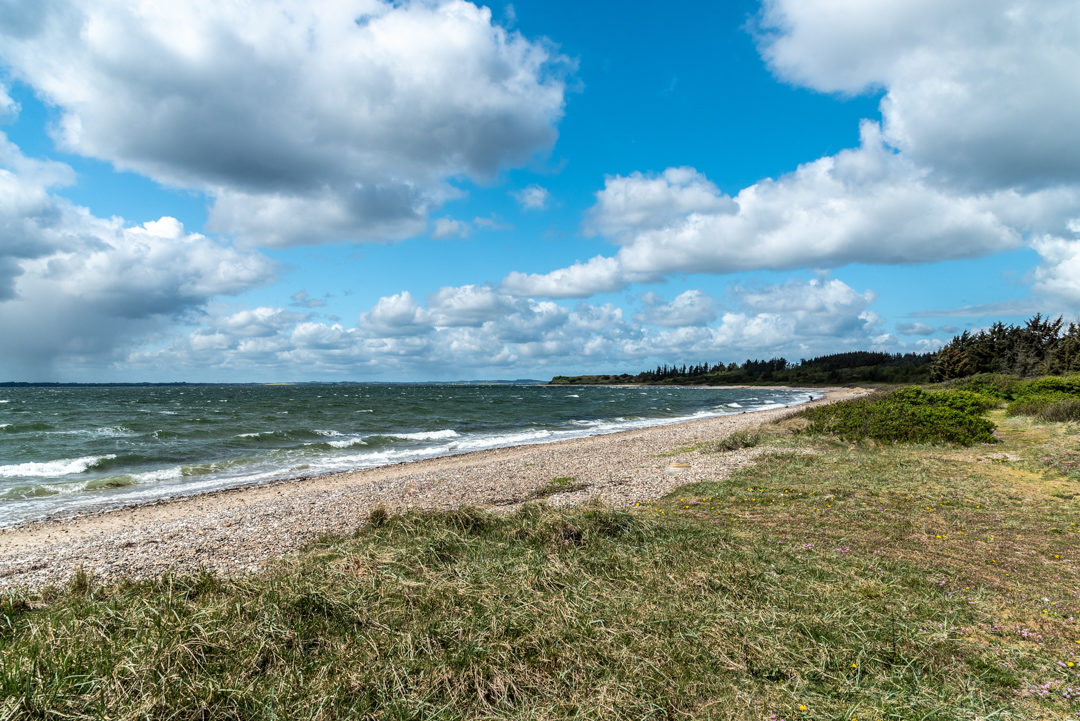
855, 579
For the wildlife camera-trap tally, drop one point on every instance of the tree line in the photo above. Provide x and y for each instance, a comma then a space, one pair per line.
1041, 346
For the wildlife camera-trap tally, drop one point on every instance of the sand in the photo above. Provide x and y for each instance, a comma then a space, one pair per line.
239, 530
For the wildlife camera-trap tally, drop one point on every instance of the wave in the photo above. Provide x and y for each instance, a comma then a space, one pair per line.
424, 435
103, 432
347, 443
25, 427
62, 467
19, 493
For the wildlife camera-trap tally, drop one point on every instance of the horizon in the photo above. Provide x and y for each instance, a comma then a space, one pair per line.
378, 192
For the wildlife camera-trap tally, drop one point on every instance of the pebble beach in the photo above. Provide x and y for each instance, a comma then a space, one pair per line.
239, 530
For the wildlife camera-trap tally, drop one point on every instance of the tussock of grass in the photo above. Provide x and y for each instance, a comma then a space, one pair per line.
736, 441
860, 581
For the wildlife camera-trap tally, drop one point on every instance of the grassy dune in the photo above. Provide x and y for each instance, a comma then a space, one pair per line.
832, 580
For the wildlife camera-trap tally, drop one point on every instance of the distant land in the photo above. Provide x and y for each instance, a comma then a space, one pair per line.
835, 369
1041, 346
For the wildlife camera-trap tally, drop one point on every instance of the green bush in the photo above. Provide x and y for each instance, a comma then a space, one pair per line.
1068, 385
907, 415
1061, 411
1034, 404
991, 385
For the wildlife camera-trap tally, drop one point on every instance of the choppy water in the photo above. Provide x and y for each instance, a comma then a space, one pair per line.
67, 450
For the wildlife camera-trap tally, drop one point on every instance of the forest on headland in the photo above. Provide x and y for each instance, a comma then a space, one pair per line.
1040, 346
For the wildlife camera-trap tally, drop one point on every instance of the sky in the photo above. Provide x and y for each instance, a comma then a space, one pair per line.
359, 190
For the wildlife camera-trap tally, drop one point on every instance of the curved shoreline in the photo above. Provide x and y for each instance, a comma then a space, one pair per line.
236, 530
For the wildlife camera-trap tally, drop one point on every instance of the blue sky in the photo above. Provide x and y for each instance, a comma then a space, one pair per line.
361, 190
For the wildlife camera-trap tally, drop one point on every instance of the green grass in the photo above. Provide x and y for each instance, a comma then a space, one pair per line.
859, 580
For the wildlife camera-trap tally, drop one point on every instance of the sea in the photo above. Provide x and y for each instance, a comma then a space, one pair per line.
71, 450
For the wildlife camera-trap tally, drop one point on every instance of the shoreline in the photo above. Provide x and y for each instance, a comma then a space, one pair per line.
237, 530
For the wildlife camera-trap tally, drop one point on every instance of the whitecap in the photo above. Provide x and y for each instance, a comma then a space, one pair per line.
347, 443
62, 467
425, 435
328, 433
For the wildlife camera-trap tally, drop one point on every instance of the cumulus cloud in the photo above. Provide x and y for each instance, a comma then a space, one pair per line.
396, 315
637, 202
814, 309
485, 331
78, 286
581, 280
532, 197
9, 109
984, 91
446, 228
305, 122
690, 308
868, 204
1059, 275
469, 305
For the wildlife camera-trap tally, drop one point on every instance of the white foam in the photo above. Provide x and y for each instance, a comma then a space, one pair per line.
4, 401
62, 467
347, 443
5, 425
424, 435
163, 474
329, 433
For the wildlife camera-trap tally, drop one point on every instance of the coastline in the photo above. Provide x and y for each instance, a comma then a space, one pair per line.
238, 530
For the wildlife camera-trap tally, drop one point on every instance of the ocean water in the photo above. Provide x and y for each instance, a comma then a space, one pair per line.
69, 450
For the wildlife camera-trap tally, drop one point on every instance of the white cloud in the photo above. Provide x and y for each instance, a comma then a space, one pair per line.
396, 315
77, 287
305, 122
581, 280
260, 322
984, 91
469, 305
916, 328
689, 308
533, 197
640, 202
1059, 274
446, 228
9, 109
866, 205
477, 331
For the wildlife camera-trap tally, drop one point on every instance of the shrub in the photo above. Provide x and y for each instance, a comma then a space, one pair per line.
991, 385
1035, 403
908, 415
1061, 411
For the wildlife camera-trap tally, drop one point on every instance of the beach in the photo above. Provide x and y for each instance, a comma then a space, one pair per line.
239, 530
